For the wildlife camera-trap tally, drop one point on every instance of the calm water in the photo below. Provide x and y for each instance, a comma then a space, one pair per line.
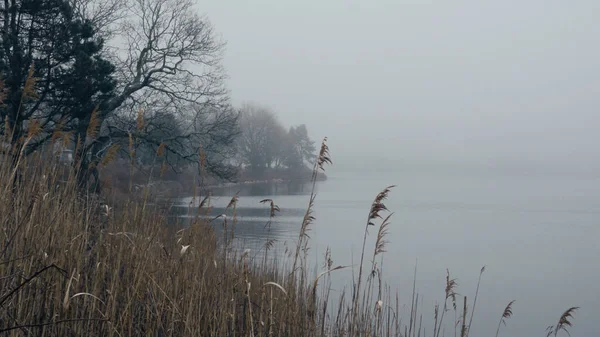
537, 235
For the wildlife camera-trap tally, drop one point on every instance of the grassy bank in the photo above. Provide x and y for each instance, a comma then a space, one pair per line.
73, 266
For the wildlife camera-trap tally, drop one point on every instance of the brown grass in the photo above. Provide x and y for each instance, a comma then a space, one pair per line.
94, 125
29, 87
70, 265
140, 118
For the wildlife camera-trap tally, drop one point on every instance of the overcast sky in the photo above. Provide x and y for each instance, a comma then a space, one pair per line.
463, 81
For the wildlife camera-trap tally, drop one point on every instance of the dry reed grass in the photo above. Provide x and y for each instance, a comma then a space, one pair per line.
73, 266
506, 314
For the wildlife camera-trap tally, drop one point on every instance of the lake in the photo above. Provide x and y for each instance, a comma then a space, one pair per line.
537, 235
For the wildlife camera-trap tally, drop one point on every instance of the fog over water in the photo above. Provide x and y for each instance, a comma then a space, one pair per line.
485, 114
507, 83
536, 235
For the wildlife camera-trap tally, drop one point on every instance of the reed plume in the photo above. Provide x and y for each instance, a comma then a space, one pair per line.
161, 149
58, 130
140, 118
233, 201
94, 125
564, 322
273, 208
450, 294
111, 154
66, 139
328, 260
131, 148
378, 206
272, 211
34, 128
203, 202
322, 159
381, 242
450, 288
374, 213
506, 314
269, 244
30, 82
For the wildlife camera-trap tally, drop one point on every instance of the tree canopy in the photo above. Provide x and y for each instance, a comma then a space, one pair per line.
265, 143
60, 79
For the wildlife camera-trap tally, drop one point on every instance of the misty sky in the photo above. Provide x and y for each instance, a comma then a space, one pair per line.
433, 81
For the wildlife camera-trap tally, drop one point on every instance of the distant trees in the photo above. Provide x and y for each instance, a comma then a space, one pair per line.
171, 63
264, 142
59, 76
260, 140
300, 148
137, 75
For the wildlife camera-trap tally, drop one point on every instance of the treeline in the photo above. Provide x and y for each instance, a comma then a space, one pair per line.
110, 79
265, 144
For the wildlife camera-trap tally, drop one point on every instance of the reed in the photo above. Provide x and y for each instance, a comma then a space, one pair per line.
564, 322
506, 314
72, 265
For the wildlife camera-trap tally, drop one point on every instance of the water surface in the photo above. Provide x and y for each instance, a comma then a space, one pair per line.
537, 235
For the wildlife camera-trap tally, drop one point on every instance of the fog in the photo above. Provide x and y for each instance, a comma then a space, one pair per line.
439, 94
462, 83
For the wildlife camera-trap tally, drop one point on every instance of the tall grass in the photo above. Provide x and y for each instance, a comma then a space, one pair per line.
70, 265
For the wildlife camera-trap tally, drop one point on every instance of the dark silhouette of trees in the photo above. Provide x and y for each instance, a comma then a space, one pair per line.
59, 76
46, 56
261, 138
171, 64
264, 143
301, 149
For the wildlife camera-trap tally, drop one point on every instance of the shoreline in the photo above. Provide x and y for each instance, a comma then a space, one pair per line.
174, 189
183, 185
262, 181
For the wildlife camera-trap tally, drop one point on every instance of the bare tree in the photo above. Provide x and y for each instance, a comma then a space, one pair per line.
186, 133
170, 49
168, 58
164, 58
102, 14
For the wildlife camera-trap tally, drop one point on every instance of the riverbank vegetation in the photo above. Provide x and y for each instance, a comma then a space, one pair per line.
100, 100
268, 151
71, 265
110, 76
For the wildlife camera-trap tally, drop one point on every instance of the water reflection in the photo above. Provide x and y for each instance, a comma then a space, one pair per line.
534, 234
263, 189
254, 226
